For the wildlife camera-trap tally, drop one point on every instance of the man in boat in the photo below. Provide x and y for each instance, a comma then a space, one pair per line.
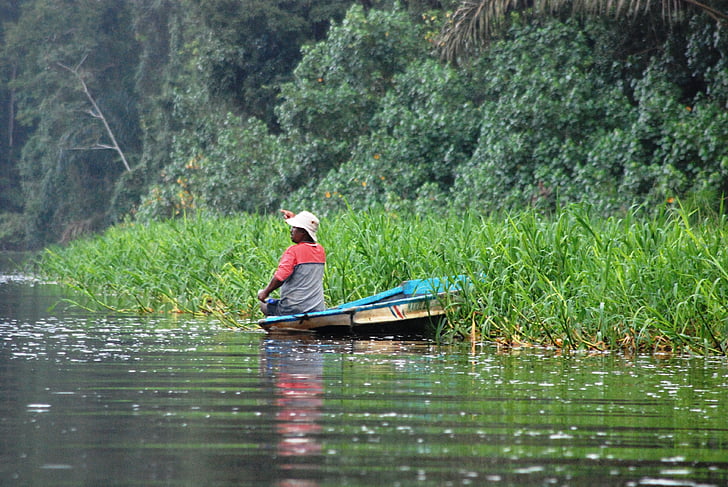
300, 271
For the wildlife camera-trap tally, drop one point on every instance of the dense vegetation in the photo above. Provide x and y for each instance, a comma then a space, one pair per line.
145, 110
573, 280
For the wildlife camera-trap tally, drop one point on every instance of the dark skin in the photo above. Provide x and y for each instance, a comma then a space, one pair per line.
298, 235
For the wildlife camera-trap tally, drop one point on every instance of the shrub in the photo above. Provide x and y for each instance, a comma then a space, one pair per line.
545, 106
12, 231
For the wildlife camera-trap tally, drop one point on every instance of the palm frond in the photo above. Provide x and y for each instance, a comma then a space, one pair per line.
474, 22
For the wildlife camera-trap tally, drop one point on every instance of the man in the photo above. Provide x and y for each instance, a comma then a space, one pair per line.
300, 271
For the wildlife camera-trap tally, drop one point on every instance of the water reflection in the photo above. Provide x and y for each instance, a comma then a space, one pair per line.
296, 371
98, 400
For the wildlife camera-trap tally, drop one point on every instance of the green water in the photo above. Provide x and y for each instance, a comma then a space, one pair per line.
87, 399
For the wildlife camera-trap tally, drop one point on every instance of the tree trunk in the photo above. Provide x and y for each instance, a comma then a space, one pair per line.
96, 113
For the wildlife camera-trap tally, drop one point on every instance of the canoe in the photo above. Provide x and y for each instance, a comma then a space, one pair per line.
413, 302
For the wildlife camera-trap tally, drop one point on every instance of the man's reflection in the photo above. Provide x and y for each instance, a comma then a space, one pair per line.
296, 371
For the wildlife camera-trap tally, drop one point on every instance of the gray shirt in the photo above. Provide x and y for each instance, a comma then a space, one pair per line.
303, 291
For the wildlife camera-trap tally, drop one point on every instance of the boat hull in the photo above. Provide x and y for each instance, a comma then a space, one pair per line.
412, 303
403, 312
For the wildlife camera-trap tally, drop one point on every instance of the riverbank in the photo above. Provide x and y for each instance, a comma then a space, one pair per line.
570, 280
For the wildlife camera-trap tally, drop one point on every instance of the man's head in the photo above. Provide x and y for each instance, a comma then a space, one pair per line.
305, 221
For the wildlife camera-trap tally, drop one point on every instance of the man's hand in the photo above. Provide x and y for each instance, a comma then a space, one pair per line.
262, 295
272, 286
287, 214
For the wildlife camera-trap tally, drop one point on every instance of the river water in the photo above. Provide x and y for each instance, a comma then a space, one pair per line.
92, 399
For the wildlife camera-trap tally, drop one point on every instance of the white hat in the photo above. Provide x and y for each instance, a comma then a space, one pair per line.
307, 221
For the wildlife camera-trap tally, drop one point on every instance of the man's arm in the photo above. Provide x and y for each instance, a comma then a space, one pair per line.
272, 286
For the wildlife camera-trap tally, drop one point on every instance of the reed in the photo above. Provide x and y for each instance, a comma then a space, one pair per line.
573, 280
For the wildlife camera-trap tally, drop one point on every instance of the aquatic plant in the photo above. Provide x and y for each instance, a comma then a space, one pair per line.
642, 281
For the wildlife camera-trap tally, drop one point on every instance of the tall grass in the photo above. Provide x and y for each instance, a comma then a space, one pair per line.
569, 280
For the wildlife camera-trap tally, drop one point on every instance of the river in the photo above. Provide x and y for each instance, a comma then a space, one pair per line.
96, 399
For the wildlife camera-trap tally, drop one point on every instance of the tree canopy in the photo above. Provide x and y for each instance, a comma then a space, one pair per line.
119, 110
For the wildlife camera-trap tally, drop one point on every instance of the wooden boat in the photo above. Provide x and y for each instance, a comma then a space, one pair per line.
412, 302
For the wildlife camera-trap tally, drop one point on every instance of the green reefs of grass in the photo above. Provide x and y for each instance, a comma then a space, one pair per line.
570, 280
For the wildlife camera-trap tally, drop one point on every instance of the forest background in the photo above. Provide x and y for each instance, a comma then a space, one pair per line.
149, 109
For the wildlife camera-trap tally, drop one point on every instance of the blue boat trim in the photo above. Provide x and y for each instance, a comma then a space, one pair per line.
371, 299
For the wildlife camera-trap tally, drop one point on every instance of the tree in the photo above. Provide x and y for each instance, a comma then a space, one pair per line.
249, 48
97, 113
425, 126
545, 103
475, 21
11, 200
64, 188
339, 84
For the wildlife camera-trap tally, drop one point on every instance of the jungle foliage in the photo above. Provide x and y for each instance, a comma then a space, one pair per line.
232, 106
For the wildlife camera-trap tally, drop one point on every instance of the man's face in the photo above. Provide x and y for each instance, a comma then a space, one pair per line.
297, 234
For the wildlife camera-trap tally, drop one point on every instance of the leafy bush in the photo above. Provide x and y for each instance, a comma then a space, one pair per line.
242, 169
340, 82
545, 105
425, 125
12, 231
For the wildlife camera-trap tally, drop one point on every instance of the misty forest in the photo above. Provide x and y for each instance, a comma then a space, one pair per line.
146, 110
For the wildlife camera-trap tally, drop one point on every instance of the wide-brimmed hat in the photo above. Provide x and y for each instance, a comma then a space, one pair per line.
307, 221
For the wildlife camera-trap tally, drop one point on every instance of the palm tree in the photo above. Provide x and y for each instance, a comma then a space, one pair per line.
474, 22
